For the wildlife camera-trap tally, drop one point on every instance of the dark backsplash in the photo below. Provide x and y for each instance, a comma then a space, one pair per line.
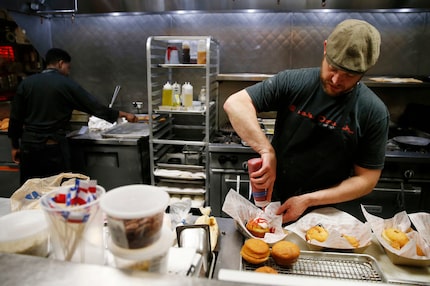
108, 50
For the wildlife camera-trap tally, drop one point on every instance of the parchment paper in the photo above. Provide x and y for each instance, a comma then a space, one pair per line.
336, 222
242, 210
400, 221
421, 222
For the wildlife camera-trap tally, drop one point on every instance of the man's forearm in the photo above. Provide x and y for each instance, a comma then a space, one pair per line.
242, 115
349, 189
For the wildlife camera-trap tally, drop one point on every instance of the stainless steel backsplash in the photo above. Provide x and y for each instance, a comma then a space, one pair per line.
108, 50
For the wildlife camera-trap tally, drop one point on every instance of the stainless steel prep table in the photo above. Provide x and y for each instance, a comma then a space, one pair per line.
231, 243
14, 269
114, 160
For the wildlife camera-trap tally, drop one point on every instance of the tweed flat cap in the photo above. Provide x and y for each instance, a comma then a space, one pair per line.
353, 46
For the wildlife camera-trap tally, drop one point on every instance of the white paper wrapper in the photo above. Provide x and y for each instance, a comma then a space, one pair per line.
400, 221
242, 210
336, 222
421, 222
95, 123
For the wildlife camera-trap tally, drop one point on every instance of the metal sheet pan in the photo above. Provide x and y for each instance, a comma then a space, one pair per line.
127, 130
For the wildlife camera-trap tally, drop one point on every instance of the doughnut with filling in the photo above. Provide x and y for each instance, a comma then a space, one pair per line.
395, 237
318, 233
255, 251
258, 227
285, 253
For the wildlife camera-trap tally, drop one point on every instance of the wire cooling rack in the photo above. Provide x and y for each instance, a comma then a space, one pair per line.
328, 264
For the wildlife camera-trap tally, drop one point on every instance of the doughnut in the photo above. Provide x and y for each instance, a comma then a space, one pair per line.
352, 240
255, 251
395, 237
285, 253
258, 227
266, 269
318, 233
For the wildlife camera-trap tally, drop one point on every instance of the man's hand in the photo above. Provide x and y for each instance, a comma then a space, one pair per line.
293, 208
15, 155
129, 116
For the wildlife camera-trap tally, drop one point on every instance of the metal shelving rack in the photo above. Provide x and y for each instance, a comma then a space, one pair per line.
179, 129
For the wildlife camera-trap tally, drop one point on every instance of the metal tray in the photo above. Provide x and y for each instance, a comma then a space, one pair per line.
127, 130
334, 265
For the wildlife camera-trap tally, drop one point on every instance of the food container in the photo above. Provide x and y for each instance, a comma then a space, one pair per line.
198, 238
402, 260
406, 255
135, 214
151, 259
337, 223
24, 232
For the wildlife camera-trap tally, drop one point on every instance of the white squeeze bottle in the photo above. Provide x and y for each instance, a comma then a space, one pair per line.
187, 95
167, 96
176, 94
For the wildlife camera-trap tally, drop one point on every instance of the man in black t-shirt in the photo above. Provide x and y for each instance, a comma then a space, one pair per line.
40, 115
330, 131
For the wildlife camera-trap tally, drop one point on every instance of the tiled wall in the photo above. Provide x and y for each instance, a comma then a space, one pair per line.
109, 50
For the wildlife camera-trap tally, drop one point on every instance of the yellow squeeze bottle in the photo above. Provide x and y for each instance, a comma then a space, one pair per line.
167, 96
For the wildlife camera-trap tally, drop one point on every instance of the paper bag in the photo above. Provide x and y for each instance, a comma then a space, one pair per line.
28, 195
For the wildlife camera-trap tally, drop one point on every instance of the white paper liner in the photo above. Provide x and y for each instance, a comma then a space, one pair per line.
421, 222
95, 123
400, 221
336, 222
242, 210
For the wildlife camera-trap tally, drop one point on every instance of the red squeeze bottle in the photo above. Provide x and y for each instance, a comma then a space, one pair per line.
260, 195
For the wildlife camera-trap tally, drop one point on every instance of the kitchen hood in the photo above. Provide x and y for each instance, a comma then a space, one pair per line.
159, 6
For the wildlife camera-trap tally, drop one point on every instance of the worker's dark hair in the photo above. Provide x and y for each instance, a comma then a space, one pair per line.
55, 55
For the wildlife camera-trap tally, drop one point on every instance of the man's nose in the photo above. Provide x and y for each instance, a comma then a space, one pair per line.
336, 78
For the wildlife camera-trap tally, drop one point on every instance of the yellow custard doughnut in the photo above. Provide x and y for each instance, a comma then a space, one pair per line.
395, 237
318, 233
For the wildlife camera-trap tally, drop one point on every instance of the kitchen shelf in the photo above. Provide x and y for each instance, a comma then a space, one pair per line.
183, 65
185, 127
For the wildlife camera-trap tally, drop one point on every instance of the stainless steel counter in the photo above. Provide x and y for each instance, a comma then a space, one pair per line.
27, 270
122, 134
115, 159
243, 77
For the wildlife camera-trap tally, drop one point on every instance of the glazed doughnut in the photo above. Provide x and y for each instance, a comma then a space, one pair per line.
352, 240
258, 227
395, 237
255, 251
266, 269
285, 253
318, 233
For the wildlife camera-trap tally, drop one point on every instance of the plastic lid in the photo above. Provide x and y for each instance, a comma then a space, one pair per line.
160, 247
22, 224
134, 201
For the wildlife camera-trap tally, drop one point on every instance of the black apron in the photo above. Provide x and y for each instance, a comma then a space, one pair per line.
43, 155
320, 158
